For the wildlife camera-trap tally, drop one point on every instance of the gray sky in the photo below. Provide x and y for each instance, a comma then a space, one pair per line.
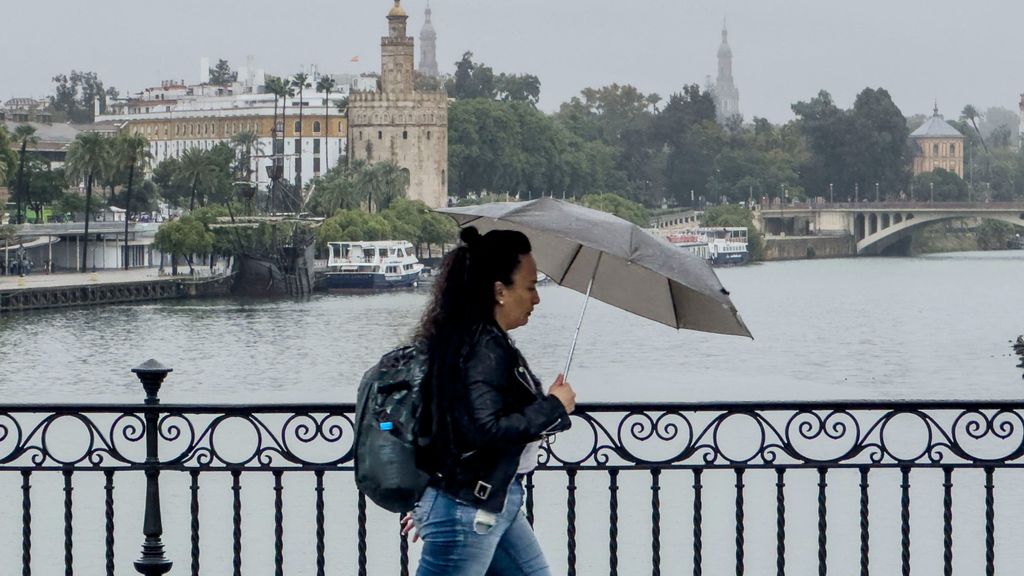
784, 50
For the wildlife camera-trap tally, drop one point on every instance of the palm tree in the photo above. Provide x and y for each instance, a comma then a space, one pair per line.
194, 166
130, 150
971, 114
300, 81
26, 134
245, 144
281, 90
86, 158
326, 85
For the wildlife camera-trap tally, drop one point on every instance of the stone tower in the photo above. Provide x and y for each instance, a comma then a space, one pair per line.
397, 123
428, 48
727, 96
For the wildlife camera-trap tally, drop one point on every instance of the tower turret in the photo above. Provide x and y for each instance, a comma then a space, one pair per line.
396, 53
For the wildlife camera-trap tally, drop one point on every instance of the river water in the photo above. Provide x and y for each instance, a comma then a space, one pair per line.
935, 327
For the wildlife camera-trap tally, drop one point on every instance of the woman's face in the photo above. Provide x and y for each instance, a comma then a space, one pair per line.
514, 302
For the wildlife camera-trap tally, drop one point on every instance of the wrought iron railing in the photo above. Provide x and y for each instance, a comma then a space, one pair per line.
798, 455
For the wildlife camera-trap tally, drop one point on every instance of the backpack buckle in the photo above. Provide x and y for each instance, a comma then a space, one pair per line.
482, 490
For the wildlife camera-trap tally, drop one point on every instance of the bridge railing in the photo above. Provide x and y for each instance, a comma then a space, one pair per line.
895, 205
778, 488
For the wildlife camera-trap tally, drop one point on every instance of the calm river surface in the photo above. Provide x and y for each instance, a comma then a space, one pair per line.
931, 327
928, 327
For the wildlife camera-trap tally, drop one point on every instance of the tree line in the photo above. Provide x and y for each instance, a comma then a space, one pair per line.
654, 151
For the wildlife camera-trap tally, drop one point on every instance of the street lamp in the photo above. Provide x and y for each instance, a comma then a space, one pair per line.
876, 191
856, 192
931, 191
829, 192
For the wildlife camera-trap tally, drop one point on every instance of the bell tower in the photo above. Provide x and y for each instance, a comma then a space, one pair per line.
428, 47
396, 54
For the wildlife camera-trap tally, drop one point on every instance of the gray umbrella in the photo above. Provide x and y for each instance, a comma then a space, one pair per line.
614, 261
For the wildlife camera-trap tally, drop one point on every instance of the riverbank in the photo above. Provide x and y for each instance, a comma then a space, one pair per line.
41, 291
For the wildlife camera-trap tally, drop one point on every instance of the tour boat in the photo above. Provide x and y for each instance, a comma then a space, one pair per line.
371, 265
721, 246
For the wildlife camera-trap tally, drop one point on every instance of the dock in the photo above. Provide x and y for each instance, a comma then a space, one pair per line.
40, 291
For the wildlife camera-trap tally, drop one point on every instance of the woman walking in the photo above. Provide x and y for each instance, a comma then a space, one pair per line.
484, 412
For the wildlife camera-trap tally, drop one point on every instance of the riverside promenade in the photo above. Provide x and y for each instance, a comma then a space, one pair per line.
37, 291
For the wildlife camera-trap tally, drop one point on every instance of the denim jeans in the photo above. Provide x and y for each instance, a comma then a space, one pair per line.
453, 546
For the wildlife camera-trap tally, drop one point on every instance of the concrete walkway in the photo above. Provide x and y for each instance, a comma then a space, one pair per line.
44, 280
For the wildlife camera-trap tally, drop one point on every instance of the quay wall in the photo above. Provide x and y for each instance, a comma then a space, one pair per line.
803, 247
94, 294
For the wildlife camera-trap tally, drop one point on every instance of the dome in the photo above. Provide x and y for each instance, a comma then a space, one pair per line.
397, 11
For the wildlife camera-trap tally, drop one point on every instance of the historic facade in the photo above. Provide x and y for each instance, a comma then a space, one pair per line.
397, 123
938, 145
428, 47
727, 96
175, 117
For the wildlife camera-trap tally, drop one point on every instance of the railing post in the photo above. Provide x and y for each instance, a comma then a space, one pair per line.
153, 562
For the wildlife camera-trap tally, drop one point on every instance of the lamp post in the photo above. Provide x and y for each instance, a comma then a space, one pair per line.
830, 193
876, 191
856, 192
931, 191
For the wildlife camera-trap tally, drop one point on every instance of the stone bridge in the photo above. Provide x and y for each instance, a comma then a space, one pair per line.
877, 225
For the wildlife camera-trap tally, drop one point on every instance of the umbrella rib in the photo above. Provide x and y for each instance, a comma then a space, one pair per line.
579, 248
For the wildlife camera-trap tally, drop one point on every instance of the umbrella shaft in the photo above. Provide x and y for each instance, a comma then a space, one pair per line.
586, 300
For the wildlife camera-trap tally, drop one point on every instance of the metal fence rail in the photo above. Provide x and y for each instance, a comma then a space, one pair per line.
608, 444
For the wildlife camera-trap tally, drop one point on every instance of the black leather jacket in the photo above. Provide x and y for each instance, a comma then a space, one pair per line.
493, 413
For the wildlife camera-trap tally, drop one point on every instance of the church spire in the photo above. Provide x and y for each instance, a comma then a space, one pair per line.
428, 46
727, 96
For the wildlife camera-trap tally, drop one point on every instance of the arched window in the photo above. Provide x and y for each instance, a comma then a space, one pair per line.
405, 134
380, 135
316, 127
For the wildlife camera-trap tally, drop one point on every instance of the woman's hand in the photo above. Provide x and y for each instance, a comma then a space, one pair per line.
564, 392
408, 525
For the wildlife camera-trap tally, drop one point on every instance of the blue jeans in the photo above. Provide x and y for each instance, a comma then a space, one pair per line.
452, 546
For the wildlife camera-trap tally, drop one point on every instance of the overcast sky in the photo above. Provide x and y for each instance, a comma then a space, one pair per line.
955, 51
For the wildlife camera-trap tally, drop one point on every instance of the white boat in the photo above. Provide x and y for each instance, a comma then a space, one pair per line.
722, 245
727, 244
371, 265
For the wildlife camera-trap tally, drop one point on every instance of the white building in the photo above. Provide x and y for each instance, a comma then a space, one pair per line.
175, 117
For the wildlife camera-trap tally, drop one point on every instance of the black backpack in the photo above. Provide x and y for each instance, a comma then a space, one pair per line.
387, 410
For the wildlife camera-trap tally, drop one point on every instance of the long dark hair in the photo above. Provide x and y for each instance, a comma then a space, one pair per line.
464, 292
463, 299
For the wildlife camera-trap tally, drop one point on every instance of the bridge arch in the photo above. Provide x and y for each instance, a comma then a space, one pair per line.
877, 240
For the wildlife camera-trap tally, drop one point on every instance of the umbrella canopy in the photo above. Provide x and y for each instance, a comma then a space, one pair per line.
630, 268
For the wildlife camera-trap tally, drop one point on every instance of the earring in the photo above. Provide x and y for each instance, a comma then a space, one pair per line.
502, 302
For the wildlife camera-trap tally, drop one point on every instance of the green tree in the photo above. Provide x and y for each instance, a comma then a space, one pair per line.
994, 234
196, 167
971, 114
940, 185
326, 85
300, 81
184, 237
8, 159
87, 157
221, 74
382, 183
619, 206
350, 225
337, 190
25, 134
76, 96
45, 185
